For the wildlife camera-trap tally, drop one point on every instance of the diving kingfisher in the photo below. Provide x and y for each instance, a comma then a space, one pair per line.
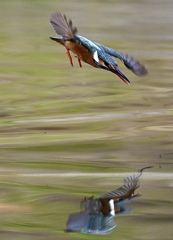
93, 53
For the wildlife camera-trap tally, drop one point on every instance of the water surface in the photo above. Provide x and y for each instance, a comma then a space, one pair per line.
67, 132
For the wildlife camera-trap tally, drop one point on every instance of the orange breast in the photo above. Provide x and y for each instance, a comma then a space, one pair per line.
80, 52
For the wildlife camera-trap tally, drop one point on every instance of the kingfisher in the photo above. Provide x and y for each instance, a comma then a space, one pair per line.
93, 53
98, 214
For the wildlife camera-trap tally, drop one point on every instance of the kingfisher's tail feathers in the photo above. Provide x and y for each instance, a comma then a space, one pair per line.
62, 26
59, 40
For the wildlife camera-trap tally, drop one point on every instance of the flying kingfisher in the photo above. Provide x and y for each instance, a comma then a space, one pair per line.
98, 214
93, 53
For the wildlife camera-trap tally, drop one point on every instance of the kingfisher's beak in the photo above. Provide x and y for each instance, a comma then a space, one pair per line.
121, 75
112, 68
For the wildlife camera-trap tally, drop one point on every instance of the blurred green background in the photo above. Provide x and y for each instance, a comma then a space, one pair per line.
66, 133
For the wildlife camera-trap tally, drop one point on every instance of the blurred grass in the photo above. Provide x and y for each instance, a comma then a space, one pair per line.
37, 82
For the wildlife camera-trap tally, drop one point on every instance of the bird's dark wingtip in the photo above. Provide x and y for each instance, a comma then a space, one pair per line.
134, 65
142, 71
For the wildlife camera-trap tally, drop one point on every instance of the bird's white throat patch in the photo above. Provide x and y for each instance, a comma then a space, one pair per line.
95, 56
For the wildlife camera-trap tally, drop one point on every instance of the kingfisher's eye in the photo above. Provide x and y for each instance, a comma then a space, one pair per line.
106, 64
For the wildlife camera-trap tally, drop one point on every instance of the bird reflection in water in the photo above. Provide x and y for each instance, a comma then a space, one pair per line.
97, 215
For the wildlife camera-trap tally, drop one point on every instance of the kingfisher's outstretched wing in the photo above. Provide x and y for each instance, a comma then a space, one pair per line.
62, 26
134, 65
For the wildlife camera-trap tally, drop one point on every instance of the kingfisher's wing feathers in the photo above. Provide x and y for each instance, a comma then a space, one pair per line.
87, 43
62, 26
130, 184
110, 51
134, 65
107, 58
127, 190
